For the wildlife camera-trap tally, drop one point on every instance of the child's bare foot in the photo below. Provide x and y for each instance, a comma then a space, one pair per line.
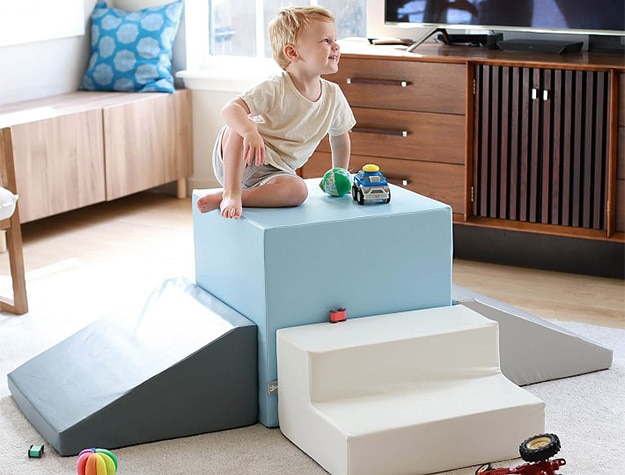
210, 201
231, 207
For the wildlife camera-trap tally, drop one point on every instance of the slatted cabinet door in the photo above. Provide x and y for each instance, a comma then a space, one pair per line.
541, 145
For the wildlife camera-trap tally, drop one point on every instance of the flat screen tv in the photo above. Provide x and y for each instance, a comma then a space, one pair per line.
514, 18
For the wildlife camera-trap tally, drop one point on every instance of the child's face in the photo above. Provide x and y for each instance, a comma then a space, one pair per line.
317, 48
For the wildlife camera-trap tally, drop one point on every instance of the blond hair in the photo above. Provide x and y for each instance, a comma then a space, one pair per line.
286, 26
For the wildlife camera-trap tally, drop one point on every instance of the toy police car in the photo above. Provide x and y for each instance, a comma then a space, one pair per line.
370, 185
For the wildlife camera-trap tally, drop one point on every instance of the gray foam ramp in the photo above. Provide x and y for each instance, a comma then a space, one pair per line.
185, 364
531, 349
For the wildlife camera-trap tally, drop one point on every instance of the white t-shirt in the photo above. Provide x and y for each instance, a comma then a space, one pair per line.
291, 125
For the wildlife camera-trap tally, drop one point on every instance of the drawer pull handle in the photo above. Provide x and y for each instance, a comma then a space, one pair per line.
378, 82
395, 133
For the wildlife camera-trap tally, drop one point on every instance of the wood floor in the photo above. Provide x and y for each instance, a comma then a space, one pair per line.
108, 249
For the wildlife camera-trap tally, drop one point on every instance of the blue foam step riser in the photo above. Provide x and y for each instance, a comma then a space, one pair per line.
290, 266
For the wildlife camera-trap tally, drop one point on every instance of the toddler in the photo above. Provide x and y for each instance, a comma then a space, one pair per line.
273, 129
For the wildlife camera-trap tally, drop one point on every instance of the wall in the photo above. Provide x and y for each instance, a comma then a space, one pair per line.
207, 121
211, 89
46, 68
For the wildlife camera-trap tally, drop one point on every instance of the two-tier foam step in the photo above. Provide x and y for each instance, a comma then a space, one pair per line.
408, 393
291, 266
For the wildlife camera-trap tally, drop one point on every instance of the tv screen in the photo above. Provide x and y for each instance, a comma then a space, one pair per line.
587, 16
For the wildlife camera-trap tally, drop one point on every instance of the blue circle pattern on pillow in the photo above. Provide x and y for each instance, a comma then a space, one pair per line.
131, 51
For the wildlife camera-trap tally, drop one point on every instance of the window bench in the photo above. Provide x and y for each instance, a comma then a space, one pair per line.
82, 148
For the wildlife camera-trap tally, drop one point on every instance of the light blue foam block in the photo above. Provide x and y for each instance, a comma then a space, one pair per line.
291, 266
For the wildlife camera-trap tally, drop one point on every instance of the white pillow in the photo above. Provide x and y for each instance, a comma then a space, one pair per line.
7, 203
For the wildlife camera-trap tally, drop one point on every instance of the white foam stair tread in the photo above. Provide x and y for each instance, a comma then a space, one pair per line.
406, 393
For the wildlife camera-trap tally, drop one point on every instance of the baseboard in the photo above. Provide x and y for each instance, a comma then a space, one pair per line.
201, 184
540, 251
192, 184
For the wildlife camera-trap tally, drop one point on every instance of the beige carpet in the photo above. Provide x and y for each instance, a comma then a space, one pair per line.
587, 412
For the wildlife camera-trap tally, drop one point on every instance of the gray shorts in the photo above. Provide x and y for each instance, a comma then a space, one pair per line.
252, 176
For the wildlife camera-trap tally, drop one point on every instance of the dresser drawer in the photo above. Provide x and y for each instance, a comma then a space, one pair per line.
403, 85
407, 135
439, 181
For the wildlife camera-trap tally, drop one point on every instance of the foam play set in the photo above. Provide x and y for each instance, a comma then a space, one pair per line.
410, 363
287, 267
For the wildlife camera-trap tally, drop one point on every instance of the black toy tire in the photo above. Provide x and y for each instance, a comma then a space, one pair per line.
483, 468
388, 200
354, 193
539, 447
361, 197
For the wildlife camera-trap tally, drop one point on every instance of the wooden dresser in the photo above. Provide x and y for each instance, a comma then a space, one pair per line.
512, 141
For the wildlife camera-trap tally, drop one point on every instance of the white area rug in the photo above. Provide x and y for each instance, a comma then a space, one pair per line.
587, 412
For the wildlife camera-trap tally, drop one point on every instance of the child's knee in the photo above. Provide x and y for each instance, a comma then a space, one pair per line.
293, 190
300, 192
231, 141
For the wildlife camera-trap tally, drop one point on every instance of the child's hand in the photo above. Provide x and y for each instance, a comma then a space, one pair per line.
253, 149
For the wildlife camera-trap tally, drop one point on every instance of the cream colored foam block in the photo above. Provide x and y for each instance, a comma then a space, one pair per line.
406, 393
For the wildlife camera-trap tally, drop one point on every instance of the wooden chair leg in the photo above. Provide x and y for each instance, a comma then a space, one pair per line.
19, 303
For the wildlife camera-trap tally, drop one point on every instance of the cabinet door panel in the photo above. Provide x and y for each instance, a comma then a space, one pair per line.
620, 208
621, 101
541, 145
439, 181
620, 175
428, 137
59, 164
403, 85
620, 167
147, 143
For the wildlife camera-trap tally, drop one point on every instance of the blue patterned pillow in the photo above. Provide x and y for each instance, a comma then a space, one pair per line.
131, 51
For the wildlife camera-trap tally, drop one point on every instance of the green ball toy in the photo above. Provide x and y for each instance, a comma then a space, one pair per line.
336, 182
